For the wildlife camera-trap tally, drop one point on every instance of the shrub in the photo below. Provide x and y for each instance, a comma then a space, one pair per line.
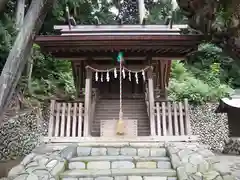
184, 84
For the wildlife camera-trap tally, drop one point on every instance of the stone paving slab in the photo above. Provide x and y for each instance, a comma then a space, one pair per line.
232, 162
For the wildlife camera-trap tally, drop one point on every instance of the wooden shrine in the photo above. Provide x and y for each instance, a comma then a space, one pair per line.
148, 51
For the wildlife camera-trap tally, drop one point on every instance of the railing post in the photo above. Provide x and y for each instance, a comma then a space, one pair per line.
87, 102
151, 102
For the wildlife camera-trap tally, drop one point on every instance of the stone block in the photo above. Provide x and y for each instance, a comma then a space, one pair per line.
99, 151
158, 152
154, 178
172, 178
181, 173
120, 178
83, 151
134, 177
51, 163
113, 151
164, 165
98, 165
176, 162
104, 178
222, 168
69, 152
147, 165
203, 166
59, 168
185, 152
229, 177
86, 178
16, 170
190, 168
28, 159
143, 152
77, 165
210, 175
128, 151
69, 178
122, 165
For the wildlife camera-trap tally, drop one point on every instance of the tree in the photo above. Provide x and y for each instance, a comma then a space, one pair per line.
20, 51
218, 20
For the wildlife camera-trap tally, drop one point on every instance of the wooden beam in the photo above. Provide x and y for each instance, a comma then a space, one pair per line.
151, 102
87, 102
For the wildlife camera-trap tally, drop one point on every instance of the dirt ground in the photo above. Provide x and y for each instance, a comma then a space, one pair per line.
7, 166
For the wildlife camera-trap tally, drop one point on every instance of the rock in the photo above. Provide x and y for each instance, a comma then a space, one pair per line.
42, 174
222, 168
210, 175
83, 151
98, 165
190, 168
122, 165
69, 152
147, 165
57, 169
28, 158
128, 151
76, 165
120, 178
181, 173
154, 178
176, 162
32, 177
21, 177
16, 170
143, 152
164, 165
158, 152
134, 177
51, 163
228, 177
104, 178
113, 151
99, 151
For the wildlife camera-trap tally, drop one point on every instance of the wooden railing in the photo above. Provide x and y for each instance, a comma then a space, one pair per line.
66, 119
172, 118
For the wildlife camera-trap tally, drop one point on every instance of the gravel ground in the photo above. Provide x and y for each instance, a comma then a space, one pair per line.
212, 128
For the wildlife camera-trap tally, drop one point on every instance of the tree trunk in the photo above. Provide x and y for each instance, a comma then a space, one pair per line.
2, 4
20, 13
21, 49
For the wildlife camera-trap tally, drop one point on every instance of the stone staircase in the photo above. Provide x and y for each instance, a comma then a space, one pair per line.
108, 109
116, 161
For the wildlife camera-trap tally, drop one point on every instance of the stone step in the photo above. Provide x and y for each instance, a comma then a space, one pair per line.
93, 173
119, 162
123, 151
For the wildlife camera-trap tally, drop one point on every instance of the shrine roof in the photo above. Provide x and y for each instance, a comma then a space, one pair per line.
103, 40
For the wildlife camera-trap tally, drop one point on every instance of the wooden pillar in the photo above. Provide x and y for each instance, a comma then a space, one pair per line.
87, 102
151, 102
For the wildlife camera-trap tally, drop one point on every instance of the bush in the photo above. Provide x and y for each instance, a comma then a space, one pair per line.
183, 84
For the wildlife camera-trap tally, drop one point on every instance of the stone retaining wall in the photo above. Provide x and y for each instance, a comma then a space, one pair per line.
39, 166
196, 162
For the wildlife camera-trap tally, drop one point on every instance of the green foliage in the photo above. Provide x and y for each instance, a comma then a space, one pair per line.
208, 54
184, 84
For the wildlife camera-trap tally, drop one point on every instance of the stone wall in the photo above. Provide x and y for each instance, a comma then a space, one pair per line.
20, 134
192, 161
